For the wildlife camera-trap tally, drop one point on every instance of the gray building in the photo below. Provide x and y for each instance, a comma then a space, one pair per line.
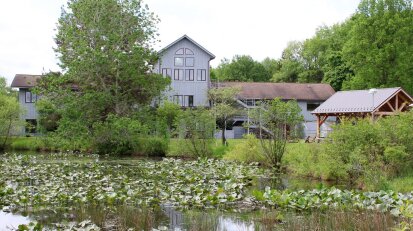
27, 99
308, 95
187, 64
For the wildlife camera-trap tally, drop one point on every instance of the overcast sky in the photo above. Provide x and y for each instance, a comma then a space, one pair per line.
260, 28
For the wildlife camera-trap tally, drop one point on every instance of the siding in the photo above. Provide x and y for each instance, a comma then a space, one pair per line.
30, 111
199, 89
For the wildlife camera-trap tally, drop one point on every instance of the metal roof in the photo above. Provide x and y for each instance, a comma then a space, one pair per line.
357, 101
192, 41
25, 81
298, 91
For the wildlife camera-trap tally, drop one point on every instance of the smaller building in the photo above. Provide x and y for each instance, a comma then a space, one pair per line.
373, 103
309, 96
27, 99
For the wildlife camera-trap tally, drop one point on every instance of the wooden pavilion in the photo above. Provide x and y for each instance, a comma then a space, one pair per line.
373, 103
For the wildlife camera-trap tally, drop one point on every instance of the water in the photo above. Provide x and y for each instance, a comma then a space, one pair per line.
9, 221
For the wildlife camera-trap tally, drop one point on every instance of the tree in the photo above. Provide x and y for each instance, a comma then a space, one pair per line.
380, 45
104, 51
291, 64
224, 107
241, 68
168, 112
277, 120
197, 127
9, 113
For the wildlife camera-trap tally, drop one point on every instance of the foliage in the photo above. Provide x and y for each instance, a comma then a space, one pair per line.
380, 44
117, 135
224, 107
241, 68
273, 120
104, 48
197, 127
48, 115
168, 112
9, 115
248, 151
63, 180
371, 153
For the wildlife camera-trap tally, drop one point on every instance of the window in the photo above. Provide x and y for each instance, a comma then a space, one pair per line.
179, 99
312, 106
188, 51
189, 74
189, 62
31, 126
189, 101
178, 74
30, 97
180, 51
167, 72
179, 61
184, 100
201, 75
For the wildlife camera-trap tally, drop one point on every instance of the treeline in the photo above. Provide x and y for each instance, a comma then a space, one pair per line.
372, 48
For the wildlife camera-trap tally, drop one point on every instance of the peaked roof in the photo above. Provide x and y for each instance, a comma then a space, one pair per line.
25, 81
358, 101
192, 41
298, 91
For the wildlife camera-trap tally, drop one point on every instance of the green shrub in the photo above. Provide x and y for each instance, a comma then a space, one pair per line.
153, 146
248, 151
27, 144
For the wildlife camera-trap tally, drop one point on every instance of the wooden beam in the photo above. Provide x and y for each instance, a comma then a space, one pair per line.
384, 113
402, 106
318, 127
391, 107
397, 101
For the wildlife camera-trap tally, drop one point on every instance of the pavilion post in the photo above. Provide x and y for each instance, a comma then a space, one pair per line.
318, 126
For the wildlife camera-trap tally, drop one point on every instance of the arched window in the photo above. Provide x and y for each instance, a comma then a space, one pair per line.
180, 51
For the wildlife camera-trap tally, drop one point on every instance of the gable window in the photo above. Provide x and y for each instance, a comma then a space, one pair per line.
180, 51
30, 97
178, 74
189, 74
312, 106
188, 51
167, 72
201, 75
179, 61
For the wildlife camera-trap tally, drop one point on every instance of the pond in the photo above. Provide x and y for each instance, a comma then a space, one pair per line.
65, 190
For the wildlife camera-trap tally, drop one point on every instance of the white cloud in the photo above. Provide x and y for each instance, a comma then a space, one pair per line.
260, 28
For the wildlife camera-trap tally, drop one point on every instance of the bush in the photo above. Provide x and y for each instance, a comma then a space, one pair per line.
153, 146
248, 151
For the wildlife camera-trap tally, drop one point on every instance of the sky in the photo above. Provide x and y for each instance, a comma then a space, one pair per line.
259, 28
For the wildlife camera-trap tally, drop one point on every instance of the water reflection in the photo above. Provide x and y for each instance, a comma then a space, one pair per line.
9, 221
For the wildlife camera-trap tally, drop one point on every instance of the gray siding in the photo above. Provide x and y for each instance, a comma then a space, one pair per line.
197, 88
30, 111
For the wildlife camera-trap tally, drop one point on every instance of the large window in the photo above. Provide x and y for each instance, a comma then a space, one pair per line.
179, 61
30, 97
184, 100
178, 74
201, 75
189, 74
189, 62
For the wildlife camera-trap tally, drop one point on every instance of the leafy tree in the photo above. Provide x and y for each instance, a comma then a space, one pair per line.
380, 45
197, 127
291, 64
9, 113
241, 68
224, 107
274, 119
104, 51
